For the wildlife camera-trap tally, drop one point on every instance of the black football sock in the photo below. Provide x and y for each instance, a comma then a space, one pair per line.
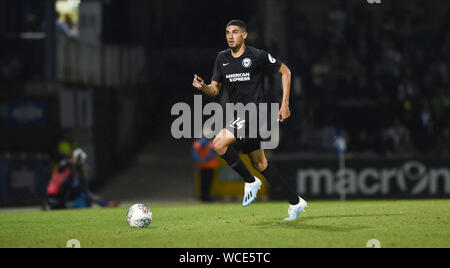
233, 160
281, 184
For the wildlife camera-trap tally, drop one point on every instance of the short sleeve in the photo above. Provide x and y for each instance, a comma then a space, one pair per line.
217, 73
269, 63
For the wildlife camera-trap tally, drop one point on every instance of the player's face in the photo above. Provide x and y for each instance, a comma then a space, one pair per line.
235, 36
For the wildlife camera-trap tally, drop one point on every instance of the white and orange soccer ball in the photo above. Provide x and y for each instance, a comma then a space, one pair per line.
139, 216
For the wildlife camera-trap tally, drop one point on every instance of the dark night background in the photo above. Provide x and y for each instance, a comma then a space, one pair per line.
106, 76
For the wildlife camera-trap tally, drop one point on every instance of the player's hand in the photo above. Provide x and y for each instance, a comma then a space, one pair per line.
284, 113
198, 83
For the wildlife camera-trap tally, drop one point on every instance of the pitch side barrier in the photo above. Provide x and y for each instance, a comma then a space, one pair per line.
319, 177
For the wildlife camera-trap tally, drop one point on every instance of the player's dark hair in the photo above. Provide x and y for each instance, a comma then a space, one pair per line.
238, 23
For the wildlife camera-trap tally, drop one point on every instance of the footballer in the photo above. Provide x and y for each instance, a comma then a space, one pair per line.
241, 69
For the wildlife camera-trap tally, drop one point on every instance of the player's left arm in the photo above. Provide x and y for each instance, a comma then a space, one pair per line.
285, 73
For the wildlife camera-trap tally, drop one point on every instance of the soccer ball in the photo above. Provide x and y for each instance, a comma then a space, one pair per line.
139, 216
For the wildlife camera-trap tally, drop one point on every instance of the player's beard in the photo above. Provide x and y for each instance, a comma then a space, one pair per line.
235, 46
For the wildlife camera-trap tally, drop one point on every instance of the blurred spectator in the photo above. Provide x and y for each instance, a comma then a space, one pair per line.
328, 137
66, 27
407, 90
397, 62
336, 25
68, 187
425, 115
206, 158
397, 132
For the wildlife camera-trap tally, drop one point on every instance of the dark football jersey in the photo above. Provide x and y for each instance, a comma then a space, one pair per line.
243, 77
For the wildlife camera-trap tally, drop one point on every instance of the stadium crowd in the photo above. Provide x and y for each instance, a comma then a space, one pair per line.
384, 81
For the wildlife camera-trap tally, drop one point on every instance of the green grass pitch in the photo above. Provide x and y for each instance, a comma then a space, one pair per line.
418, 223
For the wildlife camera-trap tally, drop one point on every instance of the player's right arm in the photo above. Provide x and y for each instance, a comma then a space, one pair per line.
211, 90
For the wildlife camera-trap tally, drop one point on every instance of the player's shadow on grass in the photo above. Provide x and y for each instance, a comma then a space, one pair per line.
302, 223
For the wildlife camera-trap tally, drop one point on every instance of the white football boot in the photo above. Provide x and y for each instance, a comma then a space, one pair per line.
250, 192
295, 210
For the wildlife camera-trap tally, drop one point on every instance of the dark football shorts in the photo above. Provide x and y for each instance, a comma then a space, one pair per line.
246, 131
